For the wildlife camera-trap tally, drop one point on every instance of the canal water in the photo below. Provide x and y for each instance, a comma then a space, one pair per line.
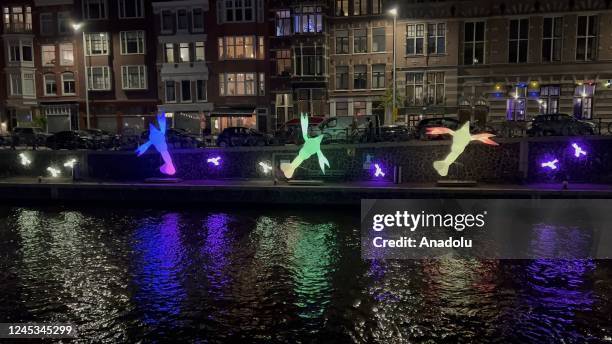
270, 275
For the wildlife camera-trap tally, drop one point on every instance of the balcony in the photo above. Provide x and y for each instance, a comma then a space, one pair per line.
18, 28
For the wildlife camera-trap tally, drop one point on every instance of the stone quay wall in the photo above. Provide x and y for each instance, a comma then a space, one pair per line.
513, 161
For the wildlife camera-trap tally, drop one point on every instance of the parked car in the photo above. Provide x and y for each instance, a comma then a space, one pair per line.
420, 131
102, 139
29, 135
178, 138
75, 139
559, 125
394, 133
344, 129
240, 136
291, 132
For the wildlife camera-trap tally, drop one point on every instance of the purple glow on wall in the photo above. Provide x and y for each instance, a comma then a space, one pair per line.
578, 151
378, 172
216, 161
552, 164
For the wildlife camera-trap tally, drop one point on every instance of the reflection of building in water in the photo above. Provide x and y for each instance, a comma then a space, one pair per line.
159, 253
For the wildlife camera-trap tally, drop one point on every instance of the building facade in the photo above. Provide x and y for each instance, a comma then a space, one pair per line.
181, 62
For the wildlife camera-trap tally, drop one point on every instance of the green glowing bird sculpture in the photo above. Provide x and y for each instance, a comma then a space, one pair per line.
312, 146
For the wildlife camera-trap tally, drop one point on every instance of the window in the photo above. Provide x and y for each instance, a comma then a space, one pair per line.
518, 41
378, 76
377, 6
201, 90
99, 78
15, 21
360, 7
308, 19
474, 43
94, 9
167, 21
342, 42
181, 20
342, 77
132, 42
342, 109
283, 62
359, 108
360, 77
583, 101
185, 90
435, 88
283, 23
549, 99
131, 9
198, 19
360, 41
284, 108
63, 23
134, 77
66, 54
27, 51
48, 55
436, 38
169, 52
46, 24
586, 39
342, 8
14, 51
552, 37
309, 60
68, 84
199, 52
378, 39
97, 43
241, 47
50, 85
170, 91
15, 84
415, 38
237, 84
239, 10
516, 105
415, 92
28, 84
184, 52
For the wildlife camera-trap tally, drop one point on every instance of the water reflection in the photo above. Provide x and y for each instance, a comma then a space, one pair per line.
272, 276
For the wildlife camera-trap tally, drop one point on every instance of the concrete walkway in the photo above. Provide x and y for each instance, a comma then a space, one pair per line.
265, 192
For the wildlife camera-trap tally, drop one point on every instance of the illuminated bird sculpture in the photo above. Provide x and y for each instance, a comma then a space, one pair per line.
312, 146
461, 138
157, 139
550, 164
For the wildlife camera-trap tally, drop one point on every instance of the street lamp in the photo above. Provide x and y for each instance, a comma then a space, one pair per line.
77, 27
393, 12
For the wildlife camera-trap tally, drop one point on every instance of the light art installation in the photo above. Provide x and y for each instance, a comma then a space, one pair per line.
312, 146
70, 163
461, 138
24, 160
550, 164
578, 151
157, 139
54, 171
265, 167
379, 172
215, 161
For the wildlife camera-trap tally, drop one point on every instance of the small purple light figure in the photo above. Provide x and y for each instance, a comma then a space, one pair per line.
550, 164
578, 151
379, 172
157, 139
215, 161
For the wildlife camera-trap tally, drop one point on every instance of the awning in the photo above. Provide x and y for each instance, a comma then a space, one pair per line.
233, 113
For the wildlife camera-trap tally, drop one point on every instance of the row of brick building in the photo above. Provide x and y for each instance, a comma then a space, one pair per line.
211, 64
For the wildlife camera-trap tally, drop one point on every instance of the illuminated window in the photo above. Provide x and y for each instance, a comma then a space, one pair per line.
283, 23
48, 55
169, 52
199, 52
283, 62
239, 84
184, 52
241, 47
96, 43
308, 19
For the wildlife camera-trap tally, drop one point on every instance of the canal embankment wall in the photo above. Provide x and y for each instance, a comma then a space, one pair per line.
513, 161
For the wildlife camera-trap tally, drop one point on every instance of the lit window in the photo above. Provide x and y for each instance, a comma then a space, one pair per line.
169, 52
199, 52
237, 84
308, 19
283, 23
48, 55
97, 43
66, 54
241, 47
184, 52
